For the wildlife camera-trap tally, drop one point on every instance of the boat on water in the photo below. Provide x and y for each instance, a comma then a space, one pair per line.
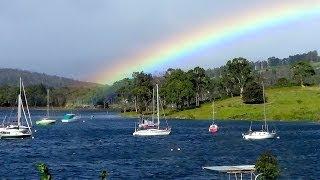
46, 120
264, 133
17, 129
213, 128
145, 123
70, 118
154, 131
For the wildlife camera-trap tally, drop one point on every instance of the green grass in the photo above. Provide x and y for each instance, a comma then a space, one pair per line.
286, 103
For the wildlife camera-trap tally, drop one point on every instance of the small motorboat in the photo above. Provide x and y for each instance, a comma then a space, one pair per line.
70, 118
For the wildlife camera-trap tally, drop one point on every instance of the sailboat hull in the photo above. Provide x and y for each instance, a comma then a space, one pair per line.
259, 135
152, 132
45, 122
8, 133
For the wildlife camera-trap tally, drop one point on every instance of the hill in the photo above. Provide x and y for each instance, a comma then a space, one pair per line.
286, 103
11, 77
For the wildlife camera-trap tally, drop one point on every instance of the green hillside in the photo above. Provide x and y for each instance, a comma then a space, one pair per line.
287, 103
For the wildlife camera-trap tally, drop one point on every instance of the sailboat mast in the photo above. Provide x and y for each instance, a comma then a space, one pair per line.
48, 100
264, 107
26, 101
213, 110
158, 114
153, 107
19, 104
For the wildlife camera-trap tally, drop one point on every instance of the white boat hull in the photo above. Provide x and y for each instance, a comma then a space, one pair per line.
259, 135
45, 122
7, 133
152, 132
70, 120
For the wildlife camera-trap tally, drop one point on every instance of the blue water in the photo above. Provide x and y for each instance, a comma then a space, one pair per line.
81, 150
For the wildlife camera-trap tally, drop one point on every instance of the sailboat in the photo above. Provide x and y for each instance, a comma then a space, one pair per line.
145, 123
155, 131
213, 128
47, 120
264, 133
17, 129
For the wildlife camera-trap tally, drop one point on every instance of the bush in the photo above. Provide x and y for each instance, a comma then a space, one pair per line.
284, 82
103, 175
267, 164
252, 93
43, 171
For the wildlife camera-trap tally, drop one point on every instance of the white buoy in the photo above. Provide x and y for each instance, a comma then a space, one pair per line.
178, 149
35, 130
171, 149
278, 137
83, 121
32, 137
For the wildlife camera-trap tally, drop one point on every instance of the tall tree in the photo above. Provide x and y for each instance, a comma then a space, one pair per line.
228, 82
177, 89
301, 71
125, 93
198, 78
240, 70
142, 89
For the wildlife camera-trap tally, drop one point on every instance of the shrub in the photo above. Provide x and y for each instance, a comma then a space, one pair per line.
43, 171
267, 164
103, 175
252, 93
284, 82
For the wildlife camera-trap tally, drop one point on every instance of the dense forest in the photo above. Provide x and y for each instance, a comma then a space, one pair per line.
186, 89
59, 97
64, 92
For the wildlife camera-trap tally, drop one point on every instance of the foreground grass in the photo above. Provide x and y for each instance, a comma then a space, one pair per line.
286, 103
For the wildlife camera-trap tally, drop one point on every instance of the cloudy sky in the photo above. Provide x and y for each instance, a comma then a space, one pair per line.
78, 38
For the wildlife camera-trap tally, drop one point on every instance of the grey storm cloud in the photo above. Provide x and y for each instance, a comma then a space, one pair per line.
52, 36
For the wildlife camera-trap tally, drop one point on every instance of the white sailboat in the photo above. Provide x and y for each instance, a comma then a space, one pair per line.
264, 133
213, 128
145, 123
17, 129
46, 120
155, 131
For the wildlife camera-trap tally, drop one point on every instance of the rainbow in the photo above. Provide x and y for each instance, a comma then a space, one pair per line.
210, 35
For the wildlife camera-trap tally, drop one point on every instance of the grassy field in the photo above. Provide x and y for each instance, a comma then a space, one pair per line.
287, 104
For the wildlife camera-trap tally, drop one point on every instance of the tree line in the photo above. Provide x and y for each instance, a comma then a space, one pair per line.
181, 89
59, 96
